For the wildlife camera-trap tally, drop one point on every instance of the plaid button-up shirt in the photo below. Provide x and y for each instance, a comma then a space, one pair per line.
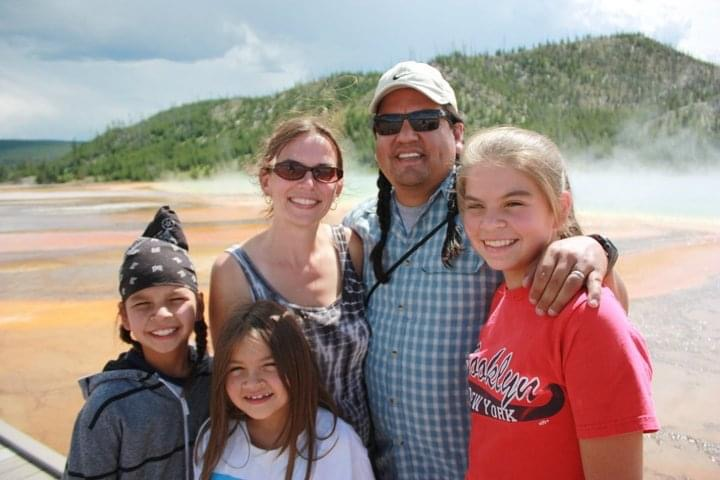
424, 322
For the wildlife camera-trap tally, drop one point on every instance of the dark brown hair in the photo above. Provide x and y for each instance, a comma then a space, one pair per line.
280, 329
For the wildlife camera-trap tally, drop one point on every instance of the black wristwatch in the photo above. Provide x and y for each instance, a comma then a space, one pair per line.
609, 247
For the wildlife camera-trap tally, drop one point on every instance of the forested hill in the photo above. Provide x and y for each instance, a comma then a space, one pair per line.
592, 96
19, 151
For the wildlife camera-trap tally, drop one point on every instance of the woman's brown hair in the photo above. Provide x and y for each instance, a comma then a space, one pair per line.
280, 329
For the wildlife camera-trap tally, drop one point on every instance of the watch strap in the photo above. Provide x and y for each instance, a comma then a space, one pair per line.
610, 249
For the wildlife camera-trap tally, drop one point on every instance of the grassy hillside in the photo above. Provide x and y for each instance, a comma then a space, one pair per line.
592, 96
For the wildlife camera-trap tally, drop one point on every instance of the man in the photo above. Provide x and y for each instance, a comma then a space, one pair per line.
426, 314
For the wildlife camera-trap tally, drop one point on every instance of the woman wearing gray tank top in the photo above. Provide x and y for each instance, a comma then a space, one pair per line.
304, 264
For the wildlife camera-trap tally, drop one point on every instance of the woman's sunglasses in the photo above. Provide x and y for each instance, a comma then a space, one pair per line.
420, 120
294, 170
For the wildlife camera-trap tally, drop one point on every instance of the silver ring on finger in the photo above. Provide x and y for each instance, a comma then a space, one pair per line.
578, 273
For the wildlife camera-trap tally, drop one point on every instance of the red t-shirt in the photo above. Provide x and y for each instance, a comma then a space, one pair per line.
539, 384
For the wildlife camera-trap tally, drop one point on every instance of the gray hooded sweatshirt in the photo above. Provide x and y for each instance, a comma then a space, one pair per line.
136, 424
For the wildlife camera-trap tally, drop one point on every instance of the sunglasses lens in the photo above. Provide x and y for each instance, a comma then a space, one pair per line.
424, 124
290, 170
384, 125
421, 121
327, 174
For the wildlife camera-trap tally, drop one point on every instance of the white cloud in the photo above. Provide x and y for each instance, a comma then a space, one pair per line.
21, 108
78, 98
111, 30
70, 67
691, 26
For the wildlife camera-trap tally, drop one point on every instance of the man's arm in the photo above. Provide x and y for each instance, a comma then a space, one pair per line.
566, 266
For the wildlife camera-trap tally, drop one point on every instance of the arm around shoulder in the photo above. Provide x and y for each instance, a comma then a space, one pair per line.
568, 265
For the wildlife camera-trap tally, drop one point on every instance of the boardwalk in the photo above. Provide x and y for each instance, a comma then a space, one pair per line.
22, 457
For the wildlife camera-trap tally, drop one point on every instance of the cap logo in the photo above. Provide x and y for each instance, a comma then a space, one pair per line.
399, 75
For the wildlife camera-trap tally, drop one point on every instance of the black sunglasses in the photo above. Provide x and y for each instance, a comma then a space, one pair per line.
294, 170
420, 120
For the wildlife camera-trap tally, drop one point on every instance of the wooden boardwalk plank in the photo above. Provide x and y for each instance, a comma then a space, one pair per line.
22, 457
5, 453
25, 470
10, 464
40, 475
15, 467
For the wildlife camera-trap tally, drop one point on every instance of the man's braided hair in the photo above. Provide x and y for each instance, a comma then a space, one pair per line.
452, 244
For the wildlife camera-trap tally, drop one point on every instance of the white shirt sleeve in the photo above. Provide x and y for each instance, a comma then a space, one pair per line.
361, 465
343, 455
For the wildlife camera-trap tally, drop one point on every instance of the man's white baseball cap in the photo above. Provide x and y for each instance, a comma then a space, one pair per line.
418, 76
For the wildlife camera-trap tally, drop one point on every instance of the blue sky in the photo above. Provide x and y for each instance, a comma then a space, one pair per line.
69, 68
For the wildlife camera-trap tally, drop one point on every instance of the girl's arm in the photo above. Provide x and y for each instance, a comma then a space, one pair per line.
608, 372
614, 282
613, 457
228, 289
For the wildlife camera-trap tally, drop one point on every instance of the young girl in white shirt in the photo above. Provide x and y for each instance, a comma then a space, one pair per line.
270, 417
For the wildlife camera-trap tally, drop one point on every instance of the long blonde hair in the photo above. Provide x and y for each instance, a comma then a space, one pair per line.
297, 368
531, 153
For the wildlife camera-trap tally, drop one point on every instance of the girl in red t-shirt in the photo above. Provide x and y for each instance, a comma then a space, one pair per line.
561, 397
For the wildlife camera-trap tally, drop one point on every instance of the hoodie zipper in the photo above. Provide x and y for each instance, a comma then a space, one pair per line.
186, 414
186, 435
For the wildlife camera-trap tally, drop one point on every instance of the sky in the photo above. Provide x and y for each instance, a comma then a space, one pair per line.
71, 68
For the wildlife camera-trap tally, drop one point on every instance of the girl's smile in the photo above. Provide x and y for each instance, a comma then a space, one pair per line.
260, 398
166, 335
255, 387
161, 318
507, 218
165, 332
498, 244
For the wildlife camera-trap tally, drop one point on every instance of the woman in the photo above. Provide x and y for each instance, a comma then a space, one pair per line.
304, 264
